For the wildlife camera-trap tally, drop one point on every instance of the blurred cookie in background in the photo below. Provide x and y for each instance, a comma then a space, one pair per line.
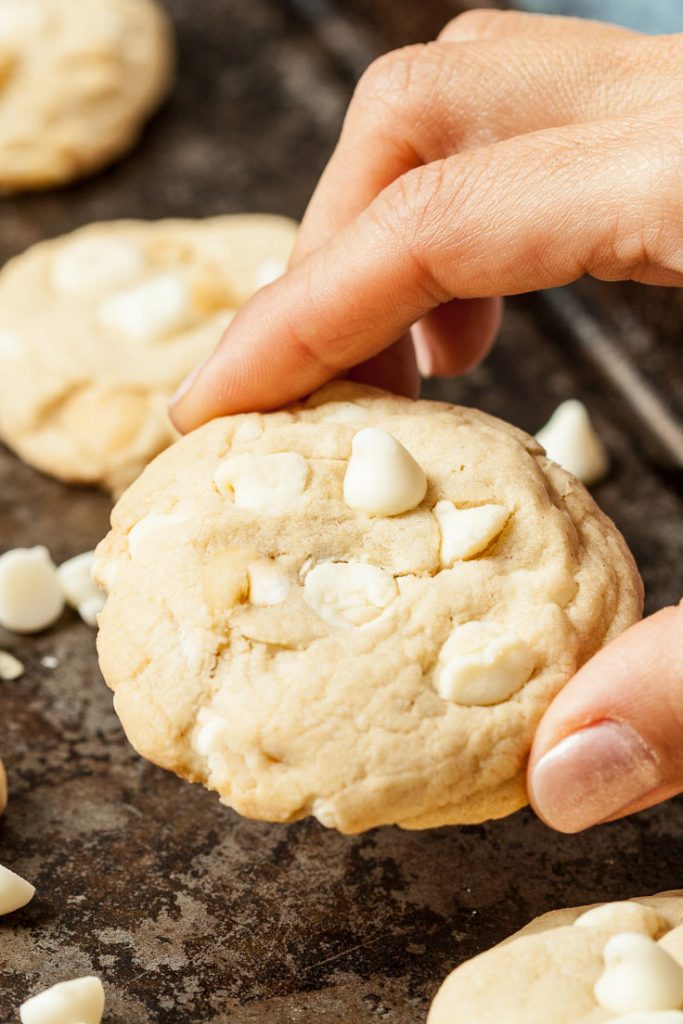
99, 327
77, 83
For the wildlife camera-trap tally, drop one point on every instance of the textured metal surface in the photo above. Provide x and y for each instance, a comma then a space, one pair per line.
189, 913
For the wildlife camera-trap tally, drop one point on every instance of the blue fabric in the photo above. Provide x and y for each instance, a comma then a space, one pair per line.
655, 16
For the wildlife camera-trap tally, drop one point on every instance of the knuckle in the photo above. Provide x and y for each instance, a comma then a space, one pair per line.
480, 23
401, 80
388, 78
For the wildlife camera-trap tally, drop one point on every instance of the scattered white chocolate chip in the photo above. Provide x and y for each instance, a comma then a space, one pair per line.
623, 917
148, 312
80, 590
269, 271
382, 477
15, 891
349, 593
263, 483
467, 531
31, 596
10, 667
268, 583
149, 526
481, 664
95, 264
49, 661
70, 1002
249, 429
570, 439
323, 811
638, 975
210, 734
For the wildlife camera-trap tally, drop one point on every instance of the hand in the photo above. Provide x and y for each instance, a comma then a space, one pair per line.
517, 152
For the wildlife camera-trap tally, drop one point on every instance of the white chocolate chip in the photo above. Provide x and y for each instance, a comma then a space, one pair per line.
480, 664
15, 892
269, 271
210, 734
70, 1002
151, 311
349, 593
382, 478
623, 917
31, 596
268, 584
49, 661
149, 526
95, 264
467, 531
10, 667
91, 608
249, 429
263, 483
638, 975
570, 439
323, 811
76, 579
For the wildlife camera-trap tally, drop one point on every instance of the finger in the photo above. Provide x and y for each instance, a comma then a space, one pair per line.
425, 103
530, 213
487, 23
455, 337
612, 741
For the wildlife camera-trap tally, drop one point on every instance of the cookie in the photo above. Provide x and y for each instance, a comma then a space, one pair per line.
588, 965
356, 608
99, 327
77, 82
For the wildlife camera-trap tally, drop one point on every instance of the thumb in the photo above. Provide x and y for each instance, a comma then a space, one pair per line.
611, 743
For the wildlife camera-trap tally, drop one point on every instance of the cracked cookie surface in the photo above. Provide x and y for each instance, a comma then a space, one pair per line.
99, 327
302, 656
77, 82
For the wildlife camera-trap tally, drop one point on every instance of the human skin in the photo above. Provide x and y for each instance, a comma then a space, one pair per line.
516, 152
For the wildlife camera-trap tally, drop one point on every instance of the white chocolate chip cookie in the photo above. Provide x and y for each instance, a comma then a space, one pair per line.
615, 963
99, 327
279, 630
78, 80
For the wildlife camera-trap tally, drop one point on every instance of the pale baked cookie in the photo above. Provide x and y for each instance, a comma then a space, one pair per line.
78, 79
357, 608
615, 962
99, 327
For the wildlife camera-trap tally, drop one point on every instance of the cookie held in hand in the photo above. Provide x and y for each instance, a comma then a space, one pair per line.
357, 608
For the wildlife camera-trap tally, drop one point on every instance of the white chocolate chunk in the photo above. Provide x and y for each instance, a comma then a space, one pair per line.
210, 734
148, 527
160, 307
31, 596
323, 811
249, 429
638, 975
95, 264
480, 664
466, 532
76, 580
269, 271
15, 891
624, 917
10, 667
345, 412
268, 584
349, 593
570, 439
382, 478
263, 483
91, 608
70, 1002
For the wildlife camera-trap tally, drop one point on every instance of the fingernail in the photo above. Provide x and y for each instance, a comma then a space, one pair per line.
592, 775
183, 388
423, 355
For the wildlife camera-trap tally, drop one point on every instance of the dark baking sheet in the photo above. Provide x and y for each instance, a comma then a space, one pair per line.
189, 913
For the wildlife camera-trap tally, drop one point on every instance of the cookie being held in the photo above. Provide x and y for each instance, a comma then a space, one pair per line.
77, 82
99, 327
615, 962
357, 608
